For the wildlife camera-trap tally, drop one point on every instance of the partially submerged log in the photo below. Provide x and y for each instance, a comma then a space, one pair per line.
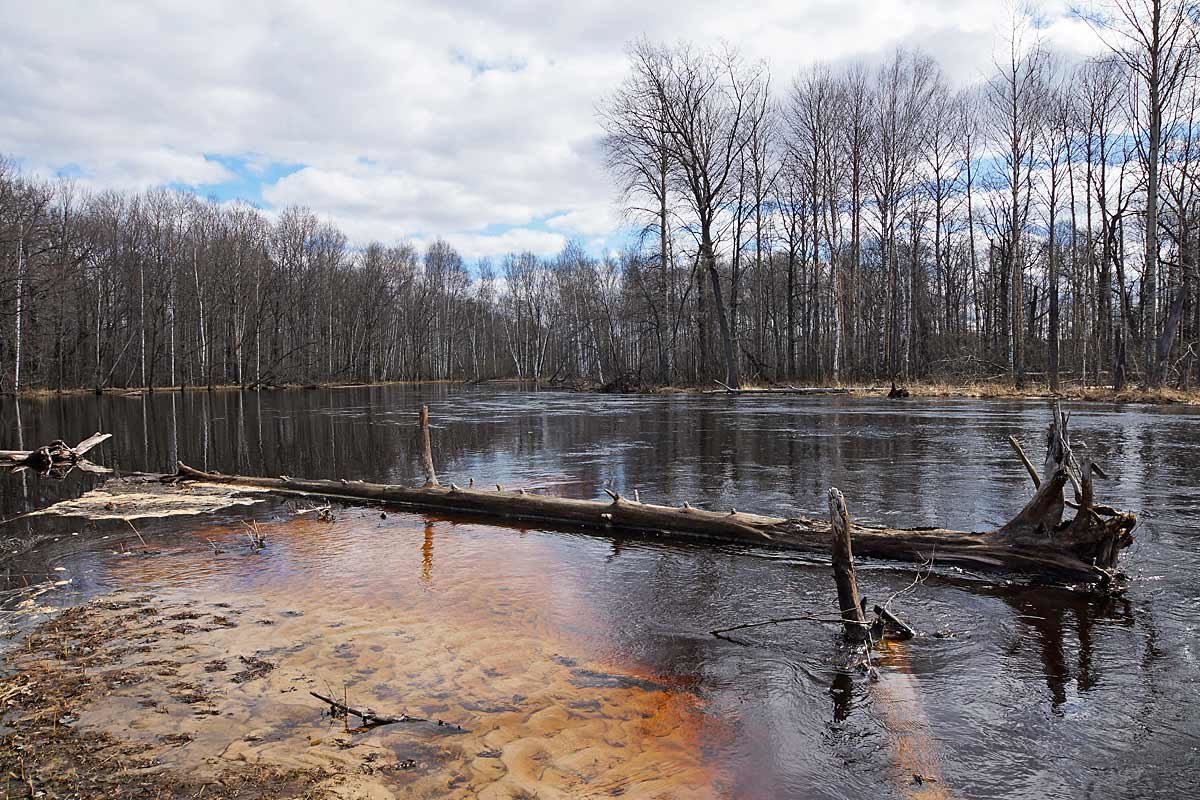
896, 691
427, 450
849, 604
1036, 541
56, 456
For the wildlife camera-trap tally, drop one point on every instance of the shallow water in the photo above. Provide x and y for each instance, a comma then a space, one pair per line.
1037, 692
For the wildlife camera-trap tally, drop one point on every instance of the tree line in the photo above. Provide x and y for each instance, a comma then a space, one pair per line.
863, 222
876, 221
165, 289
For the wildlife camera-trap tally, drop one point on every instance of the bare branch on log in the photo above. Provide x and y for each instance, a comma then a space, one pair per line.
1088, 537
1037, 481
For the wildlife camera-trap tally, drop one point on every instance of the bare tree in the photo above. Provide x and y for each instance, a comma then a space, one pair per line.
710, 99
1015, 97
903, 87
1056, 134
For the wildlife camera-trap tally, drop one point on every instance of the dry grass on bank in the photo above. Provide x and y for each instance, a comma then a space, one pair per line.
985, 390
1099, 394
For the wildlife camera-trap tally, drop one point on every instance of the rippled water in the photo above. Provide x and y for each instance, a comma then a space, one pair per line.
1037, 693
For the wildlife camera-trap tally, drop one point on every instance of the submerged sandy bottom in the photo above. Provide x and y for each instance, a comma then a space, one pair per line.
208, 661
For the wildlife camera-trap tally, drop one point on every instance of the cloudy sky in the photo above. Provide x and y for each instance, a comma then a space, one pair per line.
472, 121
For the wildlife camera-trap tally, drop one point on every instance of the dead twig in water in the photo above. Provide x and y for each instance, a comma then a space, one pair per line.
372, 719
920, 578
257, 540
135, 532
720, 632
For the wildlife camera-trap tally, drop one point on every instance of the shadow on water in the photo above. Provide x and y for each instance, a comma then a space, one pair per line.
1030, 692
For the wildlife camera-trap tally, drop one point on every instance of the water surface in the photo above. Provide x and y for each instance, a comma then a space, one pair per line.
1036, 692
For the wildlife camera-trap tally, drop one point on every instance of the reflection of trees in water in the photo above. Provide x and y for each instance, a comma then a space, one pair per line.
750, 452
427, 553
1057, 622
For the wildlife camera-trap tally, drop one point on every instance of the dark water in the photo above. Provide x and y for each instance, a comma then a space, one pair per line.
1039, 693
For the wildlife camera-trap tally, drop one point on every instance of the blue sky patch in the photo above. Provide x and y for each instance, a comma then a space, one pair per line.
251, 173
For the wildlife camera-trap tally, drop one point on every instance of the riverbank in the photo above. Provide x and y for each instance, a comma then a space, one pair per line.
138, 391
1086, 394
984, 390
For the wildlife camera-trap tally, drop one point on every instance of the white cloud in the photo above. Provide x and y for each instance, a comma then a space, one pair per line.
597, 219
415, 119
516, 240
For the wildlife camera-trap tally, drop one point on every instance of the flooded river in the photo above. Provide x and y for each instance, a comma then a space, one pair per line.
582, 665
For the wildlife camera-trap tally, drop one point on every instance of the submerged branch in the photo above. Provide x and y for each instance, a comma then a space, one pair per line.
372, 718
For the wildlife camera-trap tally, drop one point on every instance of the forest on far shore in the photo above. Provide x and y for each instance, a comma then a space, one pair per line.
857, 222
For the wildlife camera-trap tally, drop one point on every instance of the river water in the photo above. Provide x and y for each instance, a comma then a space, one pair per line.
587, 659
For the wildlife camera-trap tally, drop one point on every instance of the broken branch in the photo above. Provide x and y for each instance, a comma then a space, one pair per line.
372, 718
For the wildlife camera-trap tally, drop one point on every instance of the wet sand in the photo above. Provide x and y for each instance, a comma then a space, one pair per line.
204, 666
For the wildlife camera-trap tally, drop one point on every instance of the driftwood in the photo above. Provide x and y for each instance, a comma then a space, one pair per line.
1036, 541
56, 456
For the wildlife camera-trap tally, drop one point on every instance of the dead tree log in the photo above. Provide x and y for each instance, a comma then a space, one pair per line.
57, 455
1037, 541
849, 604
427, 450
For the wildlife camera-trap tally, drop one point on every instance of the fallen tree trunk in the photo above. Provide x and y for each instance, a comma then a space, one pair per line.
54, 456
1037, 541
